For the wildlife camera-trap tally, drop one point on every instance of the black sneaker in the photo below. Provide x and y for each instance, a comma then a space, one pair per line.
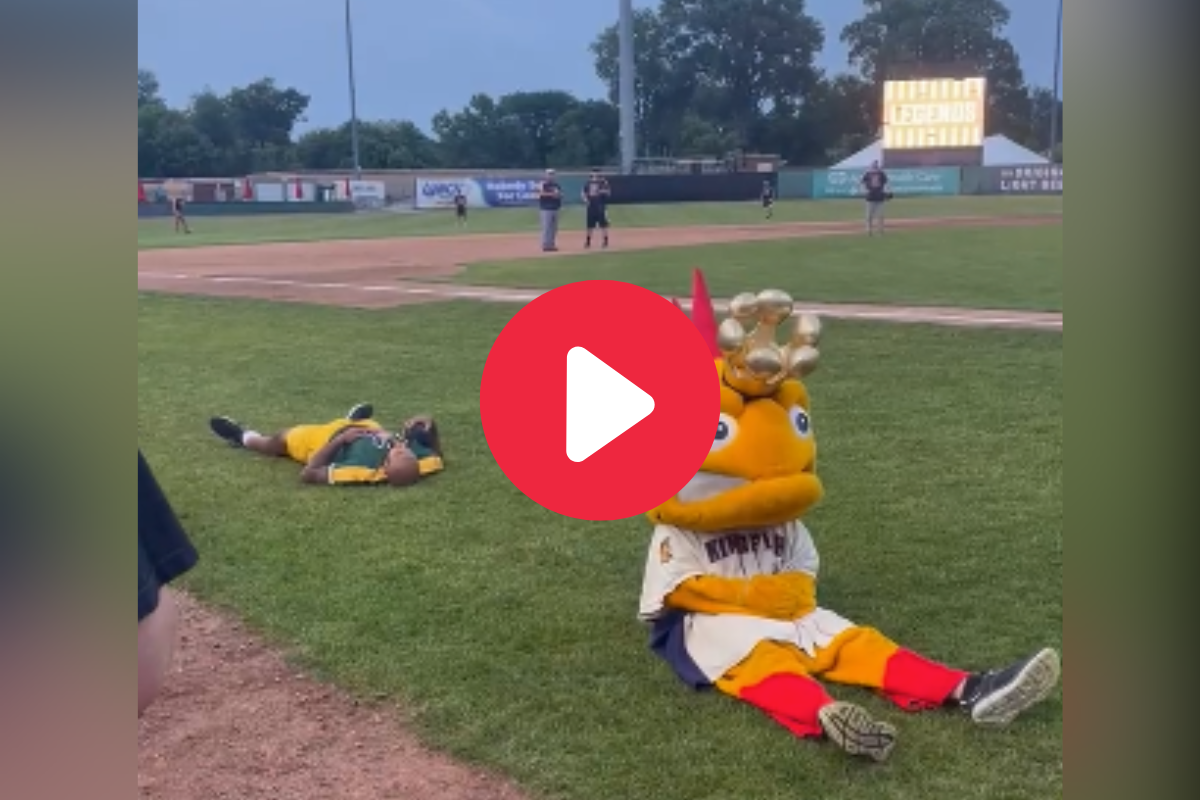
858, 733
228, 430
361, 412
999, 697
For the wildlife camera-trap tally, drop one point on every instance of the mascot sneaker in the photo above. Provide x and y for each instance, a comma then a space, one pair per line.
361, 412
857, 732
228, 430
999, 697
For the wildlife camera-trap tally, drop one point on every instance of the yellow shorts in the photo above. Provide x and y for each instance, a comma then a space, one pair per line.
304, 441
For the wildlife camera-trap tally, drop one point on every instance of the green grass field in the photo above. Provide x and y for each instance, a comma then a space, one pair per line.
158, 233
1011, 268
510, 633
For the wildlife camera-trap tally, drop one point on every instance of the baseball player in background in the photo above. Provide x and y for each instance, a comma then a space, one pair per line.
875, 187
768, 199
550, 204
460, 207
596, 194
177, 211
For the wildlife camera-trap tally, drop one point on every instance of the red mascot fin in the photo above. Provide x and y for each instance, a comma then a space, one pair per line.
704, 316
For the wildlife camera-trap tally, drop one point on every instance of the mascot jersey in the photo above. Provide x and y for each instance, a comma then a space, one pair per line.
730, 585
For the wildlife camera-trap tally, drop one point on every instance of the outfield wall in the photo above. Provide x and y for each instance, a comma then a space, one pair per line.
521, 190
244, 209
504, 192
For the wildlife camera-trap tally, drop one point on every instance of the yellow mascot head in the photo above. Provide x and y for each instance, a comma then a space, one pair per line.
762, 468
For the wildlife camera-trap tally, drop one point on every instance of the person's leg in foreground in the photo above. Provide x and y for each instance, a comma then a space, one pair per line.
164, 554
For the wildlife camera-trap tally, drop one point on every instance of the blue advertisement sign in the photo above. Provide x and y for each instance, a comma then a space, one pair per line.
508, 193
480, 192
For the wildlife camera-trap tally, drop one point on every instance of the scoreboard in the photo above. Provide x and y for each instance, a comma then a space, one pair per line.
942, 116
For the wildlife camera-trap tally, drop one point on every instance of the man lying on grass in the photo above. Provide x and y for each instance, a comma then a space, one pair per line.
355, 450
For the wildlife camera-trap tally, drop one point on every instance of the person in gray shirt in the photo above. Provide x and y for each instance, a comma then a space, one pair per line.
550, 203
875, 185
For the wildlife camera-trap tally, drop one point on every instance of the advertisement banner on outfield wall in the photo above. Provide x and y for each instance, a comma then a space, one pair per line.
1036, 179
440, 192
935, 181
367, 194
480, 192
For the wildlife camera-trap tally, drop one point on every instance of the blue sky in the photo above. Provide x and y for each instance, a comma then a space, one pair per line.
416, 57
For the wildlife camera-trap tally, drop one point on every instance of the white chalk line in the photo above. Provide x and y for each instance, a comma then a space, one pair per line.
906, 315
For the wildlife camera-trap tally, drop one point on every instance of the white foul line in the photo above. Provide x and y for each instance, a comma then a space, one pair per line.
909, 315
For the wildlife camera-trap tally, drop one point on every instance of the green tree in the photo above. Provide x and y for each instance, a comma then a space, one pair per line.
841, 117
247, 130
716, 73
169, 146
265, 115
700, 137
662, 92
587, 135
399, 145
478, 136
382, 145
746, 58
148, 88
1043, 107
212, 118
535, 115
517, 130
895, 35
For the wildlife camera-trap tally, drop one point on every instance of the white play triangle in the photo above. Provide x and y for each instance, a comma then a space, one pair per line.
601, 405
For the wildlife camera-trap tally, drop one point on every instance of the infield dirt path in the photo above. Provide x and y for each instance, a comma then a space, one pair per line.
385, 273
236, 723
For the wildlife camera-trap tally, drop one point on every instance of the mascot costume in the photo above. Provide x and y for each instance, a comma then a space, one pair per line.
731, 579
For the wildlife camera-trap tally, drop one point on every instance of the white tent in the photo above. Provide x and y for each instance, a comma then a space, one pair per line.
998, 151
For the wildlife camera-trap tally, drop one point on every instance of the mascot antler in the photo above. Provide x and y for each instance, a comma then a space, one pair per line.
747, 341
748, 338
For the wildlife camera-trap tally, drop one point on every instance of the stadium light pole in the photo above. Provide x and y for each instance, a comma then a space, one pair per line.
353, 94
1058, 54
627, 86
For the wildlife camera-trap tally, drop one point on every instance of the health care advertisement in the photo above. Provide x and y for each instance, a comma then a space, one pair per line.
902, 182
480, 192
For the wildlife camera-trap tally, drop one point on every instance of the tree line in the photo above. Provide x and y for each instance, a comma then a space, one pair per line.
713, 77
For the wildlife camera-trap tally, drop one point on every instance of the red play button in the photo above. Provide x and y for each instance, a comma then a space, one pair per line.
600, 400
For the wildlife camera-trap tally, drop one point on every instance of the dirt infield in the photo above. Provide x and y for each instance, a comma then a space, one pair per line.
395, 272
236, 723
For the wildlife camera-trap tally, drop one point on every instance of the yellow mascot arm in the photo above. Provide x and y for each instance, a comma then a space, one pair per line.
783, 597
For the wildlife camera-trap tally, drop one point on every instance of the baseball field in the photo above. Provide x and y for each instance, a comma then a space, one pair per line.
455, 642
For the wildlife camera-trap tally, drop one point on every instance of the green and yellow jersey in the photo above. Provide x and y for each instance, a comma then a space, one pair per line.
362, 460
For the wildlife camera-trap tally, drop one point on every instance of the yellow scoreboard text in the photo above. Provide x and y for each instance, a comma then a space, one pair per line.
919, 115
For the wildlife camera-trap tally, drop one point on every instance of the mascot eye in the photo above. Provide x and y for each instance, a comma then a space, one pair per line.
801, 422
726, 432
